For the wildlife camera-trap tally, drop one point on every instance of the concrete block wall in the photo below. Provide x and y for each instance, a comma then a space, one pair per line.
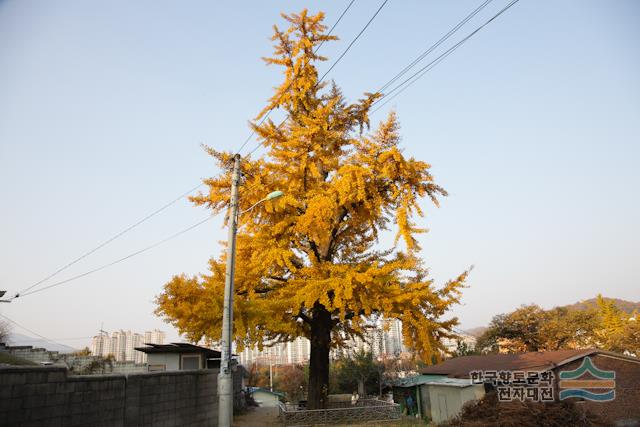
181, 398
128, 368
47, 396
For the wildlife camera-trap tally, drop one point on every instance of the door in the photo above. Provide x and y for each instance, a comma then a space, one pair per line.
442, 408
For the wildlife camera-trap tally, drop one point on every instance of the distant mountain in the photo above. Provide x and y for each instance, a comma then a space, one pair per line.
626, 306
19, 339
476, 332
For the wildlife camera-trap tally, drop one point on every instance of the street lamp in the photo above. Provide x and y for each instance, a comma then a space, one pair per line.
270, 196
225, 379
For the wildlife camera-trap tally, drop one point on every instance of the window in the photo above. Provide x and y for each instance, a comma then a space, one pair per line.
157, 368
190, 362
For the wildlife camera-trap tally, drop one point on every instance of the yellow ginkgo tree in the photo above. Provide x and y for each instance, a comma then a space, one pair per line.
309, 263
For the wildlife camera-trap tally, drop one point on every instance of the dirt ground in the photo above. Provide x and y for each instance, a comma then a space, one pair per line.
257, 417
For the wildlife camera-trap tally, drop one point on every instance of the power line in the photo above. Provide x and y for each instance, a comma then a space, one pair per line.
353, 41
131, 227
111, 239
417, 75
328, 71
32, 332
422, 71
25, 291
401, 87
429, 66
344, 12
317, 48
435, 45
138, 252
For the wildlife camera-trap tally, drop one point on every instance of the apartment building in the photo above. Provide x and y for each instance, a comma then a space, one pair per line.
121, 344
383, 337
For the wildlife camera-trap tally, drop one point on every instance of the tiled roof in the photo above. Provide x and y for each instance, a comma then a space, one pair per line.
460, 367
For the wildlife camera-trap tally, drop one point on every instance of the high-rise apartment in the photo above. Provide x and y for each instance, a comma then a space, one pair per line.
122, 344
383, 337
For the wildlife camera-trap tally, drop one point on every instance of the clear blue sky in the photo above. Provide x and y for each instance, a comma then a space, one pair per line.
533, 126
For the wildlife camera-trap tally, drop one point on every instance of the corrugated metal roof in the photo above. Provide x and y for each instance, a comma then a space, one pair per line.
451, 382
431, 380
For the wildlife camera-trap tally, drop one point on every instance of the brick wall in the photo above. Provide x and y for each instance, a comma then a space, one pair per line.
38, 396
625, 408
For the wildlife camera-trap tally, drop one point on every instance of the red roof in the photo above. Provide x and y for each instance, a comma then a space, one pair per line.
460, 367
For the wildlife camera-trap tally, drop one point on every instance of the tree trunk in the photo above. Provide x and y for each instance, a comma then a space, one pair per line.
319, 362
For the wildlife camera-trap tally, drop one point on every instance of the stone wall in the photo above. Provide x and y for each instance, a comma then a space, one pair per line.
33, 396
27, 352
81, 365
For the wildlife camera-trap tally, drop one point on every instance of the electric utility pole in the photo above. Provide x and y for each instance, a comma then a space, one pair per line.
225, 379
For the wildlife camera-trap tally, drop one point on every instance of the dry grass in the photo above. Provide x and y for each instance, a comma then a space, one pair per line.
490, 412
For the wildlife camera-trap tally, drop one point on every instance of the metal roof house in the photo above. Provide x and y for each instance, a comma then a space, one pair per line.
437, 397
180, 357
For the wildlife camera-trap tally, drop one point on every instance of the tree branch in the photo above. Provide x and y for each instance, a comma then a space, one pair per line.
314, 248
304, 317
334, 233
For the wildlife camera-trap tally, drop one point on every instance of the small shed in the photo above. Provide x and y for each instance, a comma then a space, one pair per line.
434, 396
447, 396
266, 398
180, 357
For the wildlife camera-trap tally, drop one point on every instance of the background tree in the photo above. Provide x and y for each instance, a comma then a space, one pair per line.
516, 332
610, 327
97, 364
5, 331
308, 264
564, 328
463, 348
395, 367
530, 328
258, 376
84, 352
357, 372
631, 336
291, 380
